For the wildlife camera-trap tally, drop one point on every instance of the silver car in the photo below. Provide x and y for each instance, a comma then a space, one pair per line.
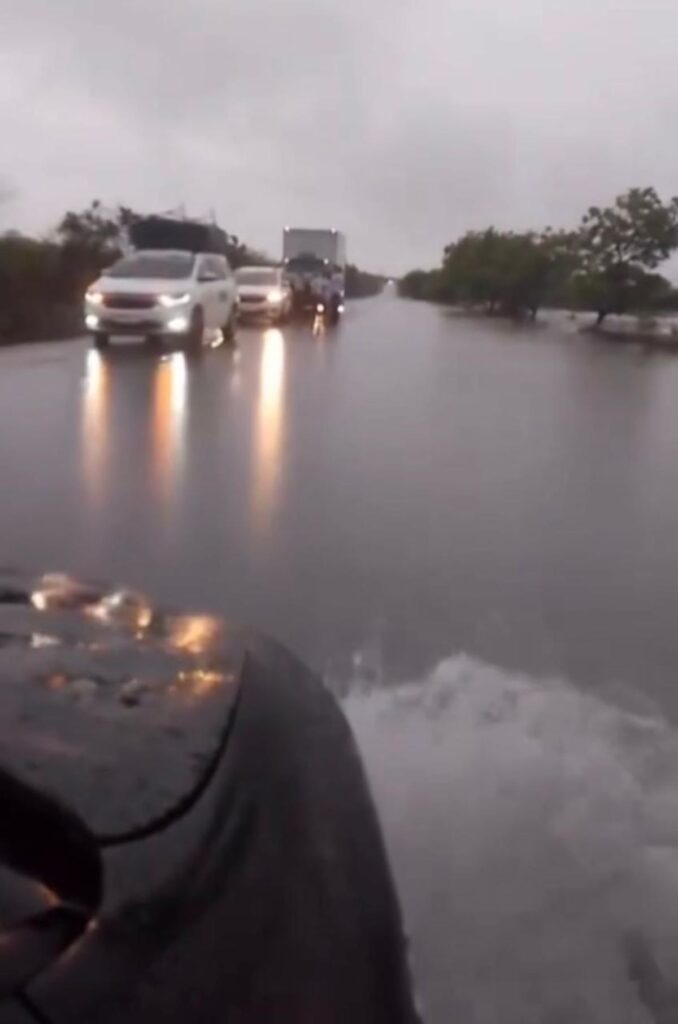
263, 292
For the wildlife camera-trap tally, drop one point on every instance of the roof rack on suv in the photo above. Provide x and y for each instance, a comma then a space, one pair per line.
167, 232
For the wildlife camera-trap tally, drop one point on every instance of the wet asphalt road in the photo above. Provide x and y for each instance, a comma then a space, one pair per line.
385, 499
379, 497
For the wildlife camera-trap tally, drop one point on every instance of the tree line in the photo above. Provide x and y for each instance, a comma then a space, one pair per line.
43, 280
361, 285
608, 265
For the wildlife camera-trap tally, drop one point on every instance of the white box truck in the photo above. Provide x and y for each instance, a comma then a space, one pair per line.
315, 265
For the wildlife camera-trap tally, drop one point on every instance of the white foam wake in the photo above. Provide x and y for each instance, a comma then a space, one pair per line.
532, 829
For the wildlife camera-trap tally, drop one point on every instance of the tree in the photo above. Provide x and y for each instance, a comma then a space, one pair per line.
29, 284
620, 245
240, 255
361, 285
472, 269
509, 273
425, 285
95, 231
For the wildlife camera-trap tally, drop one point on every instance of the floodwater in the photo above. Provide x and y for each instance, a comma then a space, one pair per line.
472, 531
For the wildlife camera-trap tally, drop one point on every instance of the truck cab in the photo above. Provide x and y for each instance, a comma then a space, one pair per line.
315, 264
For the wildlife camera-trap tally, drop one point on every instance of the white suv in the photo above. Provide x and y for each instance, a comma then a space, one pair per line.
163, 294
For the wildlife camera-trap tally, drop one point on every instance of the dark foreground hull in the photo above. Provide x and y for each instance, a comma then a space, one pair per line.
251, 887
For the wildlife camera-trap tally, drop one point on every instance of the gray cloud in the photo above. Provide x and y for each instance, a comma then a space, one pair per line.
403, 123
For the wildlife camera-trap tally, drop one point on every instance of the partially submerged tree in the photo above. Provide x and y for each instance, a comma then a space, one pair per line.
508, 272
425, 285
360, 284
620, 246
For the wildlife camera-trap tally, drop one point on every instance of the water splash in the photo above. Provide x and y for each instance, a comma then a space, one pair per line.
533, 829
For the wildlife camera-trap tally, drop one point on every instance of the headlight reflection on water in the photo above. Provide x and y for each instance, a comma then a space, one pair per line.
269, 432
95, 411
170, 401
165, 422
193, 634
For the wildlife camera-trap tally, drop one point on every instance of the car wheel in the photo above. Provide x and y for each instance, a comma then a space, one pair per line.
100, 340
196, 332
230, 327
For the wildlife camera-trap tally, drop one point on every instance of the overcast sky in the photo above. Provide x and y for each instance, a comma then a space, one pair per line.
403, 122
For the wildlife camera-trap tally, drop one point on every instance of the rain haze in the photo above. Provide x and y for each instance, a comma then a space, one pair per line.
403, 123
465, 524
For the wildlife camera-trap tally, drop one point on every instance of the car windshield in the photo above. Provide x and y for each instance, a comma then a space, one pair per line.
305, 264
264, 276
175, 266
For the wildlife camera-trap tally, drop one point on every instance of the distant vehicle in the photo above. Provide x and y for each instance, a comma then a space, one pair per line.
176, 283
315, 263
263, 292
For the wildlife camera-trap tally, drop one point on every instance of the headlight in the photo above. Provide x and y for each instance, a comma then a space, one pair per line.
179, 324
169, 301
96, 298
275, 296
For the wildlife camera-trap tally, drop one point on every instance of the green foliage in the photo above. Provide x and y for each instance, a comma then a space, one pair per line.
638, 230
33, 286
426, 285
508, 273
620, 290
361, 285
607, 266
95, 232
415, 285
619, 246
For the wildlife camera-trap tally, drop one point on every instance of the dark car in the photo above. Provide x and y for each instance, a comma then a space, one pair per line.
186, 830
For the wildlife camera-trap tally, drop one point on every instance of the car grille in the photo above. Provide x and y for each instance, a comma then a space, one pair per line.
130, 301
138, 327
252, 299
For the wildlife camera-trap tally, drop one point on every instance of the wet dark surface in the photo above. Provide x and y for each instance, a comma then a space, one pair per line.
115, 707
386, 500
379, 497
188, 801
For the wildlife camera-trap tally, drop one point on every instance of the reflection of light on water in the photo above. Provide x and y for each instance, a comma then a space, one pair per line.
269, 424
170, 399
124, 608
193, 633
318, 326
59, 591
95, 424
179, 383
200, 682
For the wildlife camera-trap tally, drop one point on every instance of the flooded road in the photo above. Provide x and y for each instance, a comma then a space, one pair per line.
408, 487
472, 530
